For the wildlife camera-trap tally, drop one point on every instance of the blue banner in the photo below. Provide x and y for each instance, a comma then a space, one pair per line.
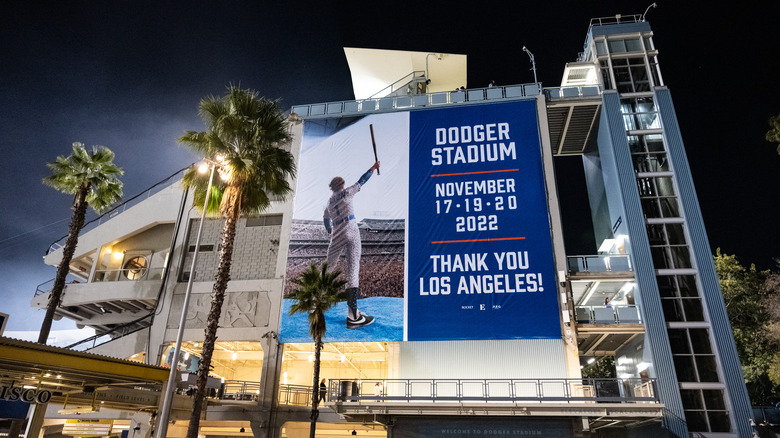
479, 261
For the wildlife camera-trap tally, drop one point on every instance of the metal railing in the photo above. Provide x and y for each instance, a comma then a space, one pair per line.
573, 92
563, 390
133, 274
240, 390
401, 102
119, 208
419, 75
599, 263
295, 395
616, 314
115, 333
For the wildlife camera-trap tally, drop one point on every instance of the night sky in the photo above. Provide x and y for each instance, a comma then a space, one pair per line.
129, 75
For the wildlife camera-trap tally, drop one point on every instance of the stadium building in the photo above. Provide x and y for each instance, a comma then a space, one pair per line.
484, 323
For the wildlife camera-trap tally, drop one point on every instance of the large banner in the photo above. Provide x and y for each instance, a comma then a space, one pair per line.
450, 238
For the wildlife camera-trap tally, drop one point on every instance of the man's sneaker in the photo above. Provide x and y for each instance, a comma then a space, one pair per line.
361, 321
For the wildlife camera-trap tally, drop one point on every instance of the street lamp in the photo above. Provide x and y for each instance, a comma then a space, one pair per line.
533, 62
162, 427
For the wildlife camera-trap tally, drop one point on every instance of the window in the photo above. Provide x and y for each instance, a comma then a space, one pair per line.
264, 221
134, 268
668, 246
639, 113
631, 75
601, 48
657, 197
705, 410
679, 298
693, 356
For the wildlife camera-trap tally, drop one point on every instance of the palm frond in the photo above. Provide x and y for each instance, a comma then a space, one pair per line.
94, 171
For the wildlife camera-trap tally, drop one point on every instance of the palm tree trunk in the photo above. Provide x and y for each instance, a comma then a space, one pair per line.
315, 413
55, 296
218, 297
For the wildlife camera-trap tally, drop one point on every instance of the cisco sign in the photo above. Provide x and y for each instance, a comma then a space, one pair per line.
27, 395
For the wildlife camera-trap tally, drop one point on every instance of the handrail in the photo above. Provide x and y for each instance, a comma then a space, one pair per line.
611, 314
599, 263
115, 210
407, 102
566, 390
616, 19
403, 79
122, 327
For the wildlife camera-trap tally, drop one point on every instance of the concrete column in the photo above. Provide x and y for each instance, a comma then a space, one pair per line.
35, 420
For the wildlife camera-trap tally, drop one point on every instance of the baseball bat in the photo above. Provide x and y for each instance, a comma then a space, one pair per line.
371, 127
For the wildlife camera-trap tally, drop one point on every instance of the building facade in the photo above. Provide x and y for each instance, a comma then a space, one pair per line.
484, 322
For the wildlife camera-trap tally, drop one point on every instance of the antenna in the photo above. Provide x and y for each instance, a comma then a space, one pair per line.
533, 62
653, 5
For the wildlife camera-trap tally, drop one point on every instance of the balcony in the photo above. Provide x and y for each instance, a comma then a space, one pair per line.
624, 399
599, 264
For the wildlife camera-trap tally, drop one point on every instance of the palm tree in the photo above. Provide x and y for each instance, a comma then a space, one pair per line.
93, 179
317, 291
245, 138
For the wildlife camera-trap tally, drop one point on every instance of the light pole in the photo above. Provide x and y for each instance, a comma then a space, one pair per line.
162, 425
533, 62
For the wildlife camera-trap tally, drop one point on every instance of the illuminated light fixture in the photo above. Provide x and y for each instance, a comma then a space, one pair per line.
222, 379
194, 344
625, 376
47, 375
59, 376
641, 366
311, 358
591, 360
234, 356
118, 254
343, 358
28, 387
186, 355
285, 377
257, 391
582, 366
203, 168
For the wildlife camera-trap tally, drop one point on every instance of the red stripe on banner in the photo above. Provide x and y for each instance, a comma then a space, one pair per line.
478, 240
474, 173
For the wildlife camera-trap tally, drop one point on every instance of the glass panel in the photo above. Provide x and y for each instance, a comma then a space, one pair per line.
708, 371
655, 142
697, 421
693, 310
661, 258
672, 309
601, 49
674, 234
633, 45
700, 341
691, 399
679, 342
681, 257
664, 186
651, 208
655, 234
685, 370
669, 207
714, 399
687, 286
666, 286
617, 46
635, 145
719, 421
